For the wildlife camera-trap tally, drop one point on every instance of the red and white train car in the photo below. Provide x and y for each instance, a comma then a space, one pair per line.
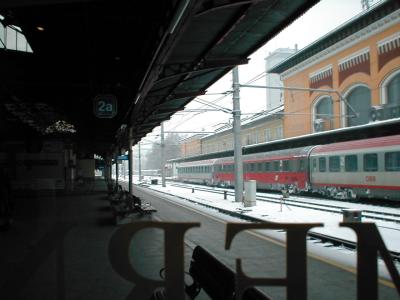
272, 170
200, 171
362, 168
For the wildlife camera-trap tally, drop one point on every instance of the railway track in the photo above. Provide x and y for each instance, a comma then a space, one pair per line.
371, 214
325, 240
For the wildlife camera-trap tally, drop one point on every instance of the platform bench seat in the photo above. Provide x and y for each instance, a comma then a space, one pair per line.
214, 277
126, 204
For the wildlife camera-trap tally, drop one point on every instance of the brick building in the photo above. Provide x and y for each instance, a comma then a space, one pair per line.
191, 146
360, 60
255, 129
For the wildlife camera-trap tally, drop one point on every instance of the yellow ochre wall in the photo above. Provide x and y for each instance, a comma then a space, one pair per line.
299, 104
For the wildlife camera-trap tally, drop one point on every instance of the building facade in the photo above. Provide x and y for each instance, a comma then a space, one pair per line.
191, 146
354, 71
256, 129
275, 96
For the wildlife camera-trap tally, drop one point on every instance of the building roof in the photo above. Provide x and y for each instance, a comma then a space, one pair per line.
153, 56
352, 26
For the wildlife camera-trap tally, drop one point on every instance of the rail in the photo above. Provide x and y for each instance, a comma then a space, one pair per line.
241, 214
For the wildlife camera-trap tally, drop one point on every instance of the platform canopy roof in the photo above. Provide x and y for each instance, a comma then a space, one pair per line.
153, 56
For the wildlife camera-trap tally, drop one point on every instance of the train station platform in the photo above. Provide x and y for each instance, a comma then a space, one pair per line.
57, 248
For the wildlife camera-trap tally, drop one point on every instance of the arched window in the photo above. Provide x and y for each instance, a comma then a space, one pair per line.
323, 113
393, 90
359, 99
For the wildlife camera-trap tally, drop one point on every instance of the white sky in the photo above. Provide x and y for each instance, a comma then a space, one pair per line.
315, 23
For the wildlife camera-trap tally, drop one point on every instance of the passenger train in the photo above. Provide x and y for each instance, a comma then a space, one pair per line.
346, 170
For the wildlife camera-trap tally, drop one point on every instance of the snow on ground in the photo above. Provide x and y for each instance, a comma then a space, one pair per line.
280, 213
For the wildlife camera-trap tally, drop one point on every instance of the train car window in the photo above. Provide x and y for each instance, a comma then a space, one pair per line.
302, 165
252, 167
259, 167
350, 163
334, 164
267, 166
285, 166
322, 164
371, 162
392, 161
314, 164
276, 165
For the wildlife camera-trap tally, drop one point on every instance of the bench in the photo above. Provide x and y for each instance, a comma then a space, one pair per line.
214, 277
123, 204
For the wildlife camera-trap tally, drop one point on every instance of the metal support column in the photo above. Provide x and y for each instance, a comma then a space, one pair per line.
116, 168
162, 156
130, 166
237, 137
140, 163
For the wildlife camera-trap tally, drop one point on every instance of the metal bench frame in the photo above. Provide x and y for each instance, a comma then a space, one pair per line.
214, 277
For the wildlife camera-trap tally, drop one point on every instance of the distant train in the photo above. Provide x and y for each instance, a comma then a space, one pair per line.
155, 172
346, 170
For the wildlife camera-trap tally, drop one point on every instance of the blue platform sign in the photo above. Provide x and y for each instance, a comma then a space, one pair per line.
105, 106
123, 157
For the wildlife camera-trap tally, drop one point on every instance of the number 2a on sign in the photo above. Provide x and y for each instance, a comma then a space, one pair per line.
105, 107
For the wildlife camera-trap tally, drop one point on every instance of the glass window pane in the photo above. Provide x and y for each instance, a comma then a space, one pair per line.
28, 47
314, 164
393, 90
2, 40
350, 162
392, 161
21, 42
360, 100
334, 164
276, 166
322, 164
324, 108
302, 165
267, 166
11, 38
285, 165
371, 162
